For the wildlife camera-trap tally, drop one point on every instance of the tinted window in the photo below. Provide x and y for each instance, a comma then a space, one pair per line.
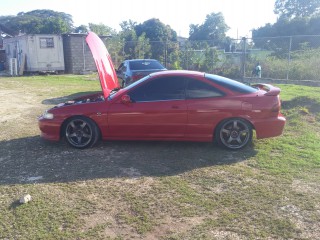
163, 88
231, 84
198, 89
145, 64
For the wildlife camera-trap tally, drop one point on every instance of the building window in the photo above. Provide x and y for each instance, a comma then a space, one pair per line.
46, 43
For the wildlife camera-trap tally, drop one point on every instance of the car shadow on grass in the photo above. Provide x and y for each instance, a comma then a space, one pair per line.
311, 104
34, 160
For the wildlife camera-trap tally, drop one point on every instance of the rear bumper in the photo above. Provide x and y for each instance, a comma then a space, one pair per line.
270, 127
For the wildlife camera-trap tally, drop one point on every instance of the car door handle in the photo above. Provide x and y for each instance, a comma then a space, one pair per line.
175, 107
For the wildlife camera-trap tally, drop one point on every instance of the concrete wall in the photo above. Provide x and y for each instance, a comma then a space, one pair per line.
77, 56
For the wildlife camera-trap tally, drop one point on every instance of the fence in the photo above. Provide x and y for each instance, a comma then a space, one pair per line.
289, 58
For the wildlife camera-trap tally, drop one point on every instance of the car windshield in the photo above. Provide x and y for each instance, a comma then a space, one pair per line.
137, 82
145, 65
231, 84
113, 93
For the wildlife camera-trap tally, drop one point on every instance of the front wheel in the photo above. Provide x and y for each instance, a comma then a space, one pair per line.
234, 133
81, 132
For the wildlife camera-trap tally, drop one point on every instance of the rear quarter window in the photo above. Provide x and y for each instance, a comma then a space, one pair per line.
230, 84
198, 89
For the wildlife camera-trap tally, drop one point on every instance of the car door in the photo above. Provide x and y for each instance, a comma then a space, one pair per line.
205, 105
157, 111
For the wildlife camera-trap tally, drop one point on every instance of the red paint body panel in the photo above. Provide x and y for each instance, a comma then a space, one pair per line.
270, 127
107, 73
148, 119
204, 115
49, 129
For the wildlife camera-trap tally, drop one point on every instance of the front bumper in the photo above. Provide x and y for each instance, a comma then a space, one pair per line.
50, 129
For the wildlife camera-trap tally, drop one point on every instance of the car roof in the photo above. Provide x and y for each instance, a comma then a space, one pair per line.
139, 60
178, 72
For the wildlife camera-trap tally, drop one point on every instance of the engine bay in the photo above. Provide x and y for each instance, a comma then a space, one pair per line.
85, 99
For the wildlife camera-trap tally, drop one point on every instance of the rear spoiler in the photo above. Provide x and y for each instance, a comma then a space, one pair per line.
270, 90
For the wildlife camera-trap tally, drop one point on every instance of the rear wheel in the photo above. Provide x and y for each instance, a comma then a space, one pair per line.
234, 133
81, 132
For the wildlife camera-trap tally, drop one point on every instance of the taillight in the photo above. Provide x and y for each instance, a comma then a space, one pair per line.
277, 106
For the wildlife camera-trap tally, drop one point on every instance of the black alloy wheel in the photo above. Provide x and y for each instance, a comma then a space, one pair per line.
234, 133
81, 132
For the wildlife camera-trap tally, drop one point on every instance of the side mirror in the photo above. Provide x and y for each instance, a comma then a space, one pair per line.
125, 99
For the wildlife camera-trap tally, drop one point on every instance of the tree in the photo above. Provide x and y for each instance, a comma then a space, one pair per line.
81, 29
134, 46
115, 46
296, 8
39, 21
155, 30
276, 37
128, 25
159, 36
102, 29
213, 29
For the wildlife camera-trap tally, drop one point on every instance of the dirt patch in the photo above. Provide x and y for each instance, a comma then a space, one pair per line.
171, 226
304, 187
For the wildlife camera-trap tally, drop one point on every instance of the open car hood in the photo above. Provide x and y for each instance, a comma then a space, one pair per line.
102, 58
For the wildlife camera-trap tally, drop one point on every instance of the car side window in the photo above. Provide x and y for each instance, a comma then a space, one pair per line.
160, 89
199, 89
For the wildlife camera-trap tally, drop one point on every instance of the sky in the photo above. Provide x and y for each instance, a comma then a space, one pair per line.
240, 15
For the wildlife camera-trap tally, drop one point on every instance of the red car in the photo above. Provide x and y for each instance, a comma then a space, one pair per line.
167, 105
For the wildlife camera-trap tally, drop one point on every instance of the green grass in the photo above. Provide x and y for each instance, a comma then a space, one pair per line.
155, 190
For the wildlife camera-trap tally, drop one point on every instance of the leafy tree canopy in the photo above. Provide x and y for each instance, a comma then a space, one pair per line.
276, 36
39, 21
297, 17
128, 25
102, 29
289, 27
81, 29
296, 8
214, 28
155, 30
158, 35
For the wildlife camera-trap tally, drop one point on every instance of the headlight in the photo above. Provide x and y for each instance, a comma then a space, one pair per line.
47, 115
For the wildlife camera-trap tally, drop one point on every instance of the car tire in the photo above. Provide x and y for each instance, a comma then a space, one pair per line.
81, 132
234, 133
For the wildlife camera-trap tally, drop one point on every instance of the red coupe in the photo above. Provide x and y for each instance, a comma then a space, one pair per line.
168, 105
